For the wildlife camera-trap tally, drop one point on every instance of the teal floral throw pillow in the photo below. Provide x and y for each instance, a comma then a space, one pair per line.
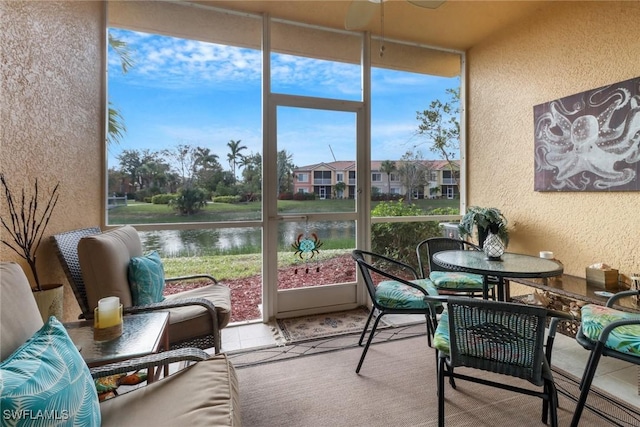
146, 279
46, 382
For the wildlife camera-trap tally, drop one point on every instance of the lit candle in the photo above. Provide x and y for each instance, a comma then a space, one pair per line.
108, 312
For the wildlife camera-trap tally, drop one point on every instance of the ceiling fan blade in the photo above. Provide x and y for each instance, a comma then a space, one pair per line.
429, 4
360, 13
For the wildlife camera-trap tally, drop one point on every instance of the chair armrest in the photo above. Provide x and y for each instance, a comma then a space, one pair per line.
151, 361
555, 316
622, 294
471, 246
436, 298
164, 305
184, 302
435, 303
392, 261
604, 335
191, 277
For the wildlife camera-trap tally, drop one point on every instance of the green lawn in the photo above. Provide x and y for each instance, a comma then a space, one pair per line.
224, 267
138, 213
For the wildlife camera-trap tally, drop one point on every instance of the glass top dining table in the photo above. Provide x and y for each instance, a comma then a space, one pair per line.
511, 265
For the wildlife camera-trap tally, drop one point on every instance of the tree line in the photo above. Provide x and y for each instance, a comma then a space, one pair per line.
142, 174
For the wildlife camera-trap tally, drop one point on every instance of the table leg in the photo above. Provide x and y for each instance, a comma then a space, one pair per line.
154, 374
166, 348
501, 291
485, 287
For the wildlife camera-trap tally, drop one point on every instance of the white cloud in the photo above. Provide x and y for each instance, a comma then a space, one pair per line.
176, 63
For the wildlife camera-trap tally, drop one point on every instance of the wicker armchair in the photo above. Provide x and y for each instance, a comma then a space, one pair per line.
499, 337
448, 281
606, 331
391, 294
197, 316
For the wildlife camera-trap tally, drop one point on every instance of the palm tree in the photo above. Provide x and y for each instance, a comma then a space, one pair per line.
338, 189
205, 158
285, 170
116, 127
234, 156
388, 167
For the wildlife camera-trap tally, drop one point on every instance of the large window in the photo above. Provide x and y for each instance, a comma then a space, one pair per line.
187, 151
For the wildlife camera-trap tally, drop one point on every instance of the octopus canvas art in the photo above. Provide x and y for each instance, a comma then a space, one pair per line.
589, 141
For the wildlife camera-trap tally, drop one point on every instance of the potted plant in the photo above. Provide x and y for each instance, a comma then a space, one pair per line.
483, 220
24, 228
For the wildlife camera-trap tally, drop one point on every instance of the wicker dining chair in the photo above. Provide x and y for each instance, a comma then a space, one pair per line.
499, 337
197, 315
392, 294
447, 280
608, 332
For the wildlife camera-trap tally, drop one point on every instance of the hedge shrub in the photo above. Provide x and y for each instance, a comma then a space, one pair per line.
227, 199
189, 201
163, 199
399, 239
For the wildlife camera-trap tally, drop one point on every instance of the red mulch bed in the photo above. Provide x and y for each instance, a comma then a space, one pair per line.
246, 293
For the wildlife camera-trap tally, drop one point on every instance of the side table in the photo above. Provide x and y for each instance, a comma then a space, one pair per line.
142, 334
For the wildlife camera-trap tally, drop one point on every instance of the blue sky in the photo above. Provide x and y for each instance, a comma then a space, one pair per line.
190, 92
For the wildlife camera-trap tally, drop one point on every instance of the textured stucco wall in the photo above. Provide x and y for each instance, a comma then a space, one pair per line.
566, 49
51, 107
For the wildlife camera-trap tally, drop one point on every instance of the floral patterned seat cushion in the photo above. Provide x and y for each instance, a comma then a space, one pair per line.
625, 339
441, 336
392, 294
455, 280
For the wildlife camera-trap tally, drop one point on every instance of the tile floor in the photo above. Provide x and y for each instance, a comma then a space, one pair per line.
616, 377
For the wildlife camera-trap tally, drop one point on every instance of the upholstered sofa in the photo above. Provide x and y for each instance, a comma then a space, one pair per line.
44, 376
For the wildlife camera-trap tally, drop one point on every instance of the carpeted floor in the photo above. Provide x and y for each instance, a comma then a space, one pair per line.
333, 343
396, 386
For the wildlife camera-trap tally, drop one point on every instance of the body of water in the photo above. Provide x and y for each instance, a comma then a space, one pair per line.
176, 243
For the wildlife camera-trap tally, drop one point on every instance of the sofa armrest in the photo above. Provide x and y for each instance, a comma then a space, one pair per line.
211, 308
150, 361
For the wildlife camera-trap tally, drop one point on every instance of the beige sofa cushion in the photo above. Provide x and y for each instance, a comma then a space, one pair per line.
194, 321
104, 261
18, 322
204, 394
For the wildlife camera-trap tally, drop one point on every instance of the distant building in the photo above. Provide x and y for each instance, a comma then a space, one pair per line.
321, 178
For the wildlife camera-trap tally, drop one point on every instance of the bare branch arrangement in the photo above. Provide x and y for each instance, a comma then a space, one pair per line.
27, 223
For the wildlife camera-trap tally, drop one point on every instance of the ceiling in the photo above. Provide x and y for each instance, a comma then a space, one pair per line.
456, 24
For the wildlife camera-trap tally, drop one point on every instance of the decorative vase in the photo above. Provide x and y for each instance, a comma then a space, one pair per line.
482, 235
49, 301
493, 247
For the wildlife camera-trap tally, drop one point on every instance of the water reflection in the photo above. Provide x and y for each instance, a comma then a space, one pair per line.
176, 243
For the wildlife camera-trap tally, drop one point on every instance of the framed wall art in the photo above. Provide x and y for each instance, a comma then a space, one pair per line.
589, 141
